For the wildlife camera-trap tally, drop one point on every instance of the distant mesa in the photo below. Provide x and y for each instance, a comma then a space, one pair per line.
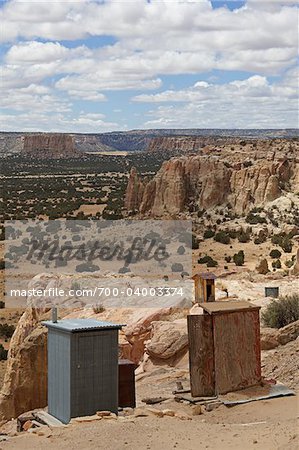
50, 146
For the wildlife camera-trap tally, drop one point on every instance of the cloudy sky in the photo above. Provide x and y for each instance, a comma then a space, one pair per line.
86, 66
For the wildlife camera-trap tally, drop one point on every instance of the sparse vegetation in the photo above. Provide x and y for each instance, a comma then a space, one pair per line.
281, 312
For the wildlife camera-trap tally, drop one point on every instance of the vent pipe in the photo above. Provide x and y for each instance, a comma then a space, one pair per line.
54, 314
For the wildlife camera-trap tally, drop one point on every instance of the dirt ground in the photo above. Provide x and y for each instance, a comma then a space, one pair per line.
264, 425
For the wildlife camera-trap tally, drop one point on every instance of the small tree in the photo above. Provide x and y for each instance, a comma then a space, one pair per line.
239, 258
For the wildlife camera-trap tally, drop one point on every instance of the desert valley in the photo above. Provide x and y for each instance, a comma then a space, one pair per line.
242, 194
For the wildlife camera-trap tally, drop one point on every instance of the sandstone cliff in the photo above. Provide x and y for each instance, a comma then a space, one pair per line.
134, 191
195, 182
54, 145
182, 144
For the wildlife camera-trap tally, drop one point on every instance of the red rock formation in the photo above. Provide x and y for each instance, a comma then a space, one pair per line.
54, 145
134, 192
208, 181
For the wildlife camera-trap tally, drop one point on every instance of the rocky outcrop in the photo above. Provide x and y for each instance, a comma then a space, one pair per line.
134, 191
25, 382
257, 184
168, 339
272, 338
184, 181
52, 146
194, 182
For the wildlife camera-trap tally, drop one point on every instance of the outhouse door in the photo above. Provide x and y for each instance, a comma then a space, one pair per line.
95, 379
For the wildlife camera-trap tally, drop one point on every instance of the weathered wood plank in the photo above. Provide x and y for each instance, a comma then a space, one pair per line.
201, 355
237, 350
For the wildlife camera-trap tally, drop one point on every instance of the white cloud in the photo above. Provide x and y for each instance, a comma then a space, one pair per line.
249, 103
58, 122
171, 37
153, 39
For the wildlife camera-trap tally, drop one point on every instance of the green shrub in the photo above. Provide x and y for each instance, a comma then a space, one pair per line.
254, 219
228, 259
195, 242
289, 263
284, 241
6, 330
2, 304
275, 253
222, 237
233, 234
208, 260
208, 234
239, 258
281, 312
204, 259
212, 263
3, 353
276, 264
244, 237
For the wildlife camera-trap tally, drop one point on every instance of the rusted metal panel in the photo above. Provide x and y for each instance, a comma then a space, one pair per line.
126, 383
201, 355
237, 350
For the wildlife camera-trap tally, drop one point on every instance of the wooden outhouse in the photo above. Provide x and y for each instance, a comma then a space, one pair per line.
204, 284
224, 348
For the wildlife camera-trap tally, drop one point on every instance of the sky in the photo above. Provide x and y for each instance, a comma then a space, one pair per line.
96, 66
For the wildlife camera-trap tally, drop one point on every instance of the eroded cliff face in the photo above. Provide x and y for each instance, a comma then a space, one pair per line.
259, 184
209, 181
50, 145
134, 192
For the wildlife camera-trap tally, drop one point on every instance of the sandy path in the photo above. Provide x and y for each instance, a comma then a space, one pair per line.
269, 425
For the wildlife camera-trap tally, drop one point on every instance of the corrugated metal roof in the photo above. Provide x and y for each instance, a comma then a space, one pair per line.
73, 325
